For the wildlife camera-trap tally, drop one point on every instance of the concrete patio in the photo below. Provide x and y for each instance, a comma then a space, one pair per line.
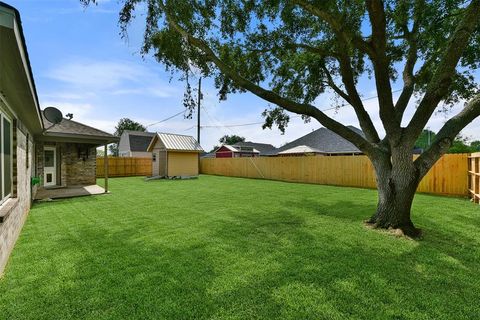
68, 192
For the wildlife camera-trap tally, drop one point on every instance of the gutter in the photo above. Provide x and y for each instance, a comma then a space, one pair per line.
29, 67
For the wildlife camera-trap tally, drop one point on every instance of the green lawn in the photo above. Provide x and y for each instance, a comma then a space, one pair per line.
228, 248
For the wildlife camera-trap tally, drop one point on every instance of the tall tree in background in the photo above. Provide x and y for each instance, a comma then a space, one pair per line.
290, 52
122, 125
231, 139
425, 139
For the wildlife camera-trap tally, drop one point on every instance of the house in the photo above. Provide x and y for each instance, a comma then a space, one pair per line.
35, 155
300, 151
66, 154
245, 149
229, 151
322, 141
264, 149
135, 144
174, 155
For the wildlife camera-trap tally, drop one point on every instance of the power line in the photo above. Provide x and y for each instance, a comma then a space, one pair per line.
166, 119
250, 123
296, 116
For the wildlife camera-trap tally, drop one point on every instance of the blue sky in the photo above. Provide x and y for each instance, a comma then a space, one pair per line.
82, 66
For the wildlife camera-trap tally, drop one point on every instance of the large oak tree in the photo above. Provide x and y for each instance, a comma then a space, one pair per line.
290, 52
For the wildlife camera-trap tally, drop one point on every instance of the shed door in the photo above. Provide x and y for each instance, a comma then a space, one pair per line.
162, 163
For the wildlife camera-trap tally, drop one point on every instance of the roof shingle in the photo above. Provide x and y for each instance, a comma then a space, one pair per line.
326, 141
70, 127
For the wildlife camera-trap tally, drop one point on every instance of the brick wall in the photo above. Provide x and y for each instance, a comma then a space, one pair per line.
81, 169
76, 163
15, 209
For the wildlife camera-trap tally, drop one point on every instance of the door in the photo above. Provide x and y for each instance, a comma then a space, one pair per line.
49, 166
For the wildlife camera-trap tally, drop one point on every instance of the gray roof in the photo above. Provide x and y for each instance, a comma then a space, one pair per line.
326, 141
178, 142
263, 148
70, 128
139, 141
300, 149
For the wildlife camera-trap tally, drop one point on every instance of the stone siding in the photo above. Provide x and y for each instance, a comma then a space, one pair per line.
14, 211
76, 163
80, 170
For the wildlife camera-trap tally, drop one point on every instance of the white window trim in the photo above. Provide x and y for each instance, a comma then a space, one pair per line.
5, 197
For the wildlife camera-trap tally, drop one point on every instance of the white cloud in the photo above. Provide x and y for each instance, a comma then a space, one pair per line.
79, 110
110, 77
96, 74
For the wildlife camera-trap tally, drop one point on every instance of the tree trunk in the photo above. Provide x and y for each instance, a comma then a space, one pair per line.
397, 181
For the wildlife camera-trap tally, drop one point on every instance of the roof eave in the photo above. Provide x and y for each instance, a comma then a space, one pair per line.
18, 29
78, 138
152, 143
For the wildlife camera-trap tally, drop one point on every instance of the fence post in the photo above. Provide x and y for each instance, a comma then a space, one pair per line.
105, 168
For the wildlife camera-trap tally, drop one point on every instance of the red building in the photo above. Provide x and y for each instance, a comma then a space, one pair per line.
228, 151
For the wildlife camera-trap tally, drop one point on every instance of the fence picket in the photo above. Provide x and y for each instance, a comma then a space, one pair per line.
448, 176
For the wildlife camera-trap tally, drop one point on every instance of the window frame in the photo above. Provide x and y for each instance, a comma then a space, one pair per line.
5, 197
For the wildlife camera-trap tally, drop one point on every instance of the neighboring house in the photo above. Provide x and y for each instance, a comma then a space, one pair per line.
324, 142
265, 149
135, 144
60, 155
174, 155
207, 155
228, 151
67, 153
300, 151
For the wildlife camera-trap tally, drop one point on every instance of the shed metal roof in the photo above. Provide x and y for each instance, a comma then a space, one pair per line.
176, 142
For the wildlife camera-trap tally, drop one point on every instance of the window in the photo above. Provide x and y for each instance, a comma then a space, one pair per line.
5, 157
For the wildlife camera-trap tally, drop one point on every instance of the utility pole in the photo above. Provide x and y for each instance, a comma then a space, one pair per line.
198, 104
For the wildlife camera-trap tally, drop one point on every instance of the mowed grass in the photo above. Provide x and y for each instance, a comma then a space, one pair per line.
230, 248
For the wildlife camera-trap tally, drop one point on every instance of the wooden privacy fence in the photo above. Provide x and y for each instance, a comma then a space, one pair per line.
474, 176
125, 167
447, 177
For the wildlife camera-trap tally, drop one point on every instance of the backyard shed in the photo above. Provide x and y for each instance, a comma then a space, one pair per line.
174, 155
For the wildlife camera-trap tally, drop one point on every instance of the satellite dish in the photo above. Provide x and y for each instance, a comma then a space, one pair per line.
53, 115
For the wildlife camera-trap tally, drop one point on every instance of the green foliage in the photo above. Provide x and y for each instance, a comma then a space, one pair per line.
230, 248
461, 145
475, 145
128, 124
231, 139
281, 44
425, 139
122, 125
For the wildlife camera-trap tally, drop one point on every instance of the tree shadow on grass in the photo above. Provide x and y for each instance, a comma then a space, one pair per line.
306, 260
322, 274
116, 276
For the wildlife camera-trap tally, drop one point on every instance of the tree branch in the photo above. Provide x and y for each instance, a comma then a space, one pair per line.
344, 39
381, 64
442, 78
355, 100
292, 106
408, 77
292, 45
336, 24
446, 136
